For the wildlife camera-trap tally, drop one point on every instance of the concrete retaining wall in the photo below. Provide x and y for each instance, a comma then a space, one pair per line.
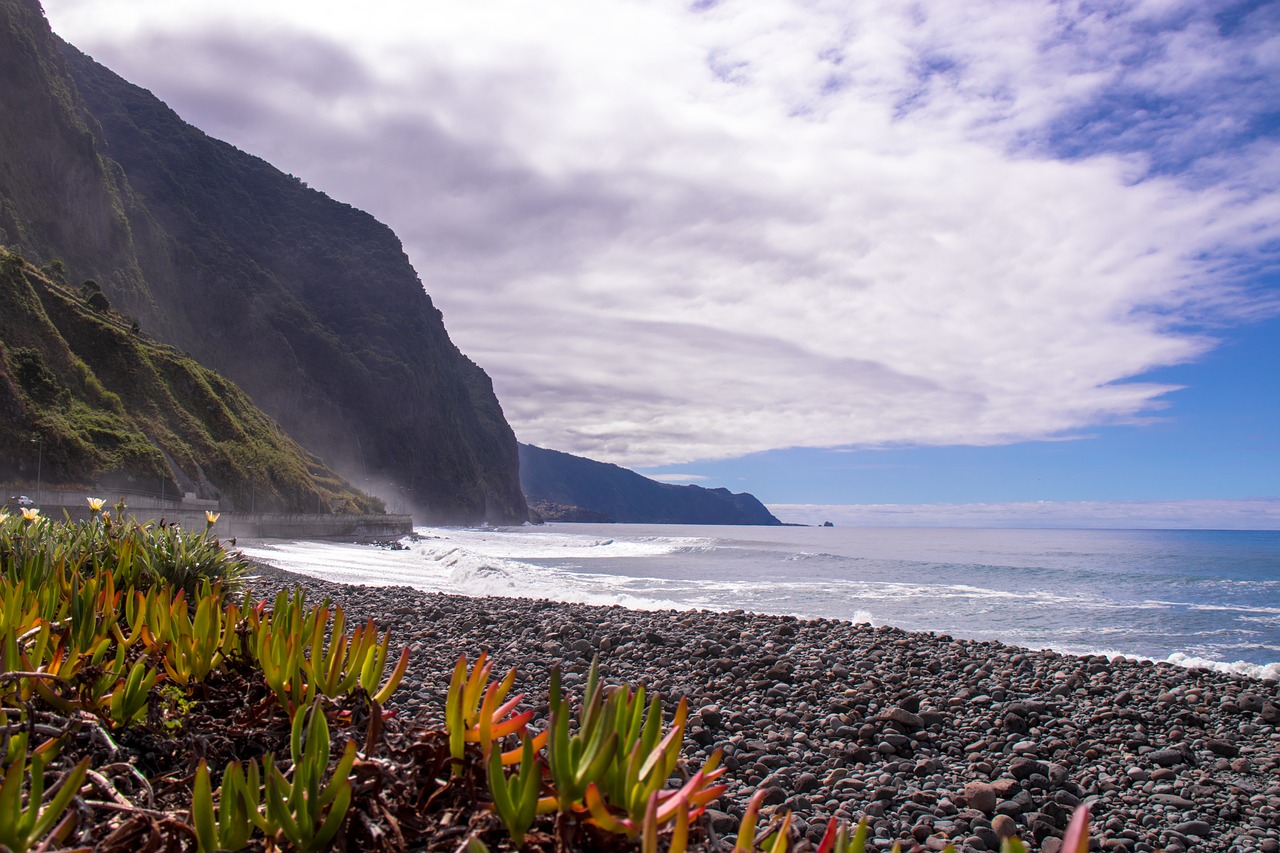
263, 525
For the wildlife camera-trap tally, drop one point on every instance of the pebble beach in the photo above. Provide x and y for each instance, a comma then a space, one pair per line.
932, 738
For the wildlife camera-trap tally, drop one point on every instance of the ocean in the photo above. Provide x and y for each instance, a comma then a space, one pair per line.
1192, 597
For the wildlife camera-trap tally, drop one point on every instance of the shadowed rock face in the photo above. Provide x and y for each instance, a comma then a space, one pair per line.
309, 304
625, 496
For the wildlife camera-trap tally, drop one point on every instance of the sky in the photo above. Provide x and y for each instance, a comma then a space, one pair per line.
867, 253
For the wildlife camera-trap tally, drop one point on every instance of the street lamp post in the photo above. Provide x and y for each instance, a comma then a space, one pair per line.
38, 441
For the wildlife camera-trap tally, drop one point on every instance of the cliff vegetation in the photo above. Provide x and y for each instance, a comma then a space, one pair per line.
87, 398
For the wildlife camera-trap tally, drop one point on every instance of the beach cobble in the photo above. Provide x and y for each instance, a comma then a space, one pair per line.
932, 738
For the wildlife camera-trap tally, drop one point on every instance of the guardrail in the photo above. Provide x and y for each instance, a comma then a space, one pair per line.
133, 498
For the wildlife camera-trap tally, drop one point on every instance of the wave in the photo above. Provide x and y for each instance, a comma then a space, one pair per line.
518, 544
652, 572
1261, 671
1239, 667
802, 556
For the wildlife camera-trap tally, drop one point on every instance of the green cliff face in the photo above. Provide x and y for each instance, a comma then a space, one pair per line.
308, 304
115, 409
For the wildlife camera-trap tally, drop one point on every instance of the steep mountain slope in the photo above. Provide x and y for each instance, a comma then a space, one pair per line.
309, 304
574, 482
110, 406
56, 193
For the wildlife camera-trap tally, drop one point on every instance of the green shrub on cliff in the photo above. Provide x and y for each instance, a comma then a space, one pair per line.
105, 401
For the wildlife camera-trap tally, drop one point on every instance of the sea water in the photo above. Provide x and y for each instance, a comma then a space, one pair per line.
1198, 598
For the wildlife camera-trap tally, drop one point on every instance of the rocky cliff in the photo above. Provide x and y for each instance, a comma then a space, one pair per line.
89, 401
566, 483
309, 304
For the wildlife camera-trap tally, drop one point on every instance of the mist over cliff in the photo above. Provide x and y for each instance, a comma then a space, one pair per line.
308, 304
87, 400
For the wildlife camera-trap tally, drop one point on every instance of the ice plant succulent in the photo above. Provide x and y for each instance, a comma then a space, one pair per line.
228, 826
675, 807
288, 643
95, 505
1077, 838
195, 647
838, 840
129, 700
23, 823
745, 842
576, 760
515, 799
473, 716
308, 814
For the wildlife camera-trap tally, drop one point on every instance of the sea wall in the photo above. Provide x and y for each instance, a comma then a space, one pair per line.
299, 526
262, 525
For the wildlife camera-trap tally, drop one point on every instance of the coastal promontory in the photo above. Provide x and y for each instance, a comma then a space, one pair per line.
565, 487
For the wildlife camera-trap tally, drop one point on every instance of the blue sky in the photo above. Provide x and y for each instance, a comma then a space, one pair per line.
1218, 440
830, 253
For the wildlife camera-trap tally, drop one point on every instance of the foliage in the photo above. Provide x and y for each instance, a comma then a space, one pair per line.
515, 799
228, 825
23, 824
108, 621
288, 643
132, 554
306, 812
473, 717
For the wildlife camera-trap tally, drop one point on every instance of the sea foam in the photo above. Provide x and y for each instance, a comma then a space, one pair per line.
1012, 586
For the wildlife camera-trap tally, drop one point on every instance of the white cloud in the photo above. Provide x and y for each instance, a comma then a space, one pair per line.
677, 478
1249, 514
673, 235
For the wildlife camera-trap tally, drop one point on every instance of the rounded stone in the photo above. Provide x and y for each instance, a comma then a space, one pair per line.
980, 796
1004, 826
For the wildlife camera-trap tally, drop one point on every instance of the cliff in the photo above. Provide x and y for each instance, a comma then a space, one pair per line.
114, 409
565, 482
308, 304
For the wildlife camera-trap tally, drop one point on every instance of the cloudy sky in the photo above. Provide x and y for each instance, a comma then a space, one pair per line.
828, 252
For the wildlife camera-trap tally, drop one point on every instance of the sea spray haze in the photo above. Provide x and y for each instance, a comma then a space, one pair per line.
114, 407
1189, 596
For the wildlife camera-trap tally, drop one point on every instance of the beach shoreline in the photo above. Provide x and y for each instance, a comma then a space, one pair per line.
927, 735
1186, 599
